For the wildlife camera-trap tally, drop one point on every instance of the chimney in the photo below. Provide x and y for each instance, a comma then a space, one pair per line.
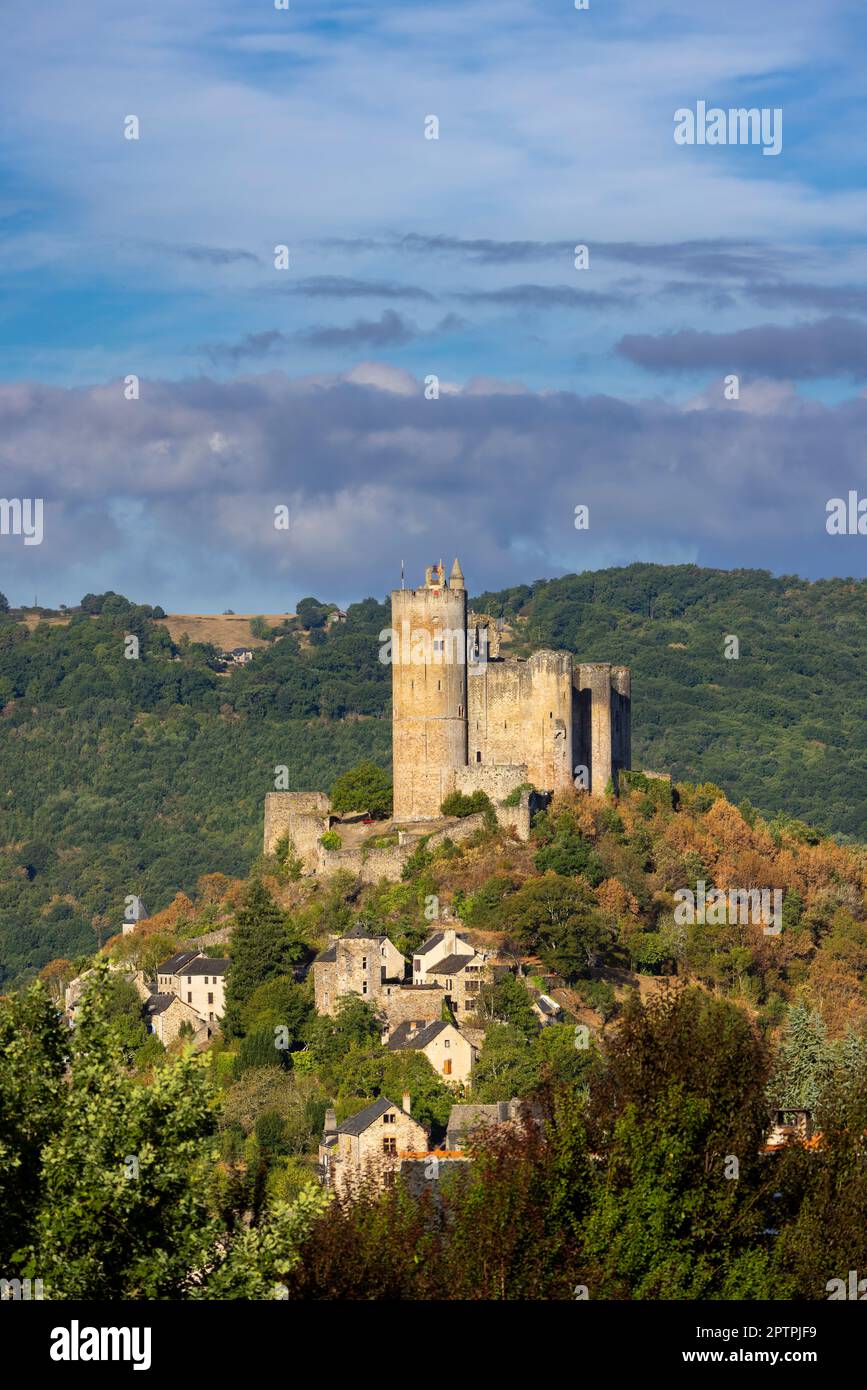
330, 1123
406, 1103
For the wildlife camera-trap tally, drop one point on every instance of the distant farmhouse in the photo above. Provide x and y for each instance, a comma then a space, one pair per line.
466, 719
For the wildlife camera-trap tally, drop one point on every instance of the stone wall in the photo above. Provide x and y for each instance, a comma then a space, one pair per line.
496, 781
410, 1004
303, 816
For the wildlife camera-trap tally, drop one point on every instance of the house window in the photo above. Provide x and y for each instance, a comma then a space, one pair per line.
478, 755
210, 998
211, 1018
364, 962
446, 1043
364, 987
189, 979
389, 1144
447, 1067
389, 1118
189, 998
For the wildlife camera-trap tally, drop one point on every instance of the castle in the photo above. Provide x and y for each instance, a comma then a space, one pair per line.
489, 723
467, 719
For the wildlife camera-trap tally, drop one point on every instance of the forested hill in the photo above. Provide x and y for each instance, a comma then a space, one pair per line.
126, 776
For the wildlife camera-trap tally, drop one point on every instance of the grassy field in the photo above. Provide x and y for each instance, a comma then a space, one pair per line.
225, 632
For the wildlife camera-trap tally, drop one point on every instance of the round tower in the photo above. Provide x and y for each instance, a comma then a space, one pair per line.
429, 691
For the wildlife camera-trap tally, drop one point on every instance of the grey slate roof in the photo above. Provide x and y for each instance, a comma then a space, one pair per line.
405, 1036
429, 944
360, 933
435, 940
357, 1124
450, 966
158, 1003
175, 963
329, 954
206, 965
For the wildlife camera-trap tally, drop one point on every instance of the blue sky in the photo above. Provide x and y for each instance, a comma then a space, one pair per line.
410, 258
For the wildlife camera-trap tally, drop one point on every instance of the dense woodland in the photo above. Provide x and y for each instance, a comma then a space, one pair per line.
138, 776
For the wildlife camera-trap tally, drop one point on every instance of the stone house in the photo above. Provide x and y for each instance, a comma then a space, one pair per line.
369, 1145
464, 1120
436, 949
462, 976
450, 1054
167, 971
198, 980
361, 962
167, 1013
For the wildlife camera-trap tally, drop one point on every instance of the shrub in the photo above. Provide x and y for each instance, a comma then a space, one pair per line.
514, 797
331, 840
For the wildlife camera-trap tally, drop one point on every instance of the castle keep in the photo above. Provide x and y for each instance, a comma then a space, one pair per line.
467, 719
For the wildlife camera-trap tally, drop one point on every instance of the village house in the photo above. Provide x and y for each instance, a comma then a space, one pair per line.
451, 1055
167, 1013
465, 1120
198, 980
370, 1144
361, 962
546, 1009
383, 1140
436, 949
462, 976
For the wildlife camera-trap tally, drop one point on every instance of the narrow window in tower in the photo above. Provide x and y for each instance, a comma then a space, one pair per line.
460, 711
478, 755
439, 685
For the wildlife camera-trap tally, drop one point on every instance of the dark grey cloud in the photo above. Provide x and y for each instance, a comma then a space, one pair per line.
187, 477
389, 330
207, 255
543, 297
830, 298
252, 345
721, 256
829, 347
344, 287
713, 296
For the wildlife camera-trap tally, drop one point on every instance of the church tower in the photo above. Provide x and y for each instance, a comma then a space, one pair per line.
429, 692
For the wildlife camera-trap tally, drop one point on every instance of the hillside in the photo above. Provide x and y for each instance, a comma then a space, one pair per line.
694, 1033
120, 776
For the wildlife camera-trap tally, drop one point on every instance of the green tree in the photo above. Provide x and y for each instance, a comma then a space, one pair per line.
558, 918
124, 1209
365, 787
32, 1094
262, 947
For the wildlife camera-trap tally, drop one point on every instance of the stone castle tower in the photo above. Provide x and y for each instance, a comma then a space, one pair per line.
466, 719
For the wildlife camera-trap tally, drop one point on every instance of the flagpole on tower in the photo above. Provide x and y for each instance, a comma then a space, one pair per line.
401, 574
